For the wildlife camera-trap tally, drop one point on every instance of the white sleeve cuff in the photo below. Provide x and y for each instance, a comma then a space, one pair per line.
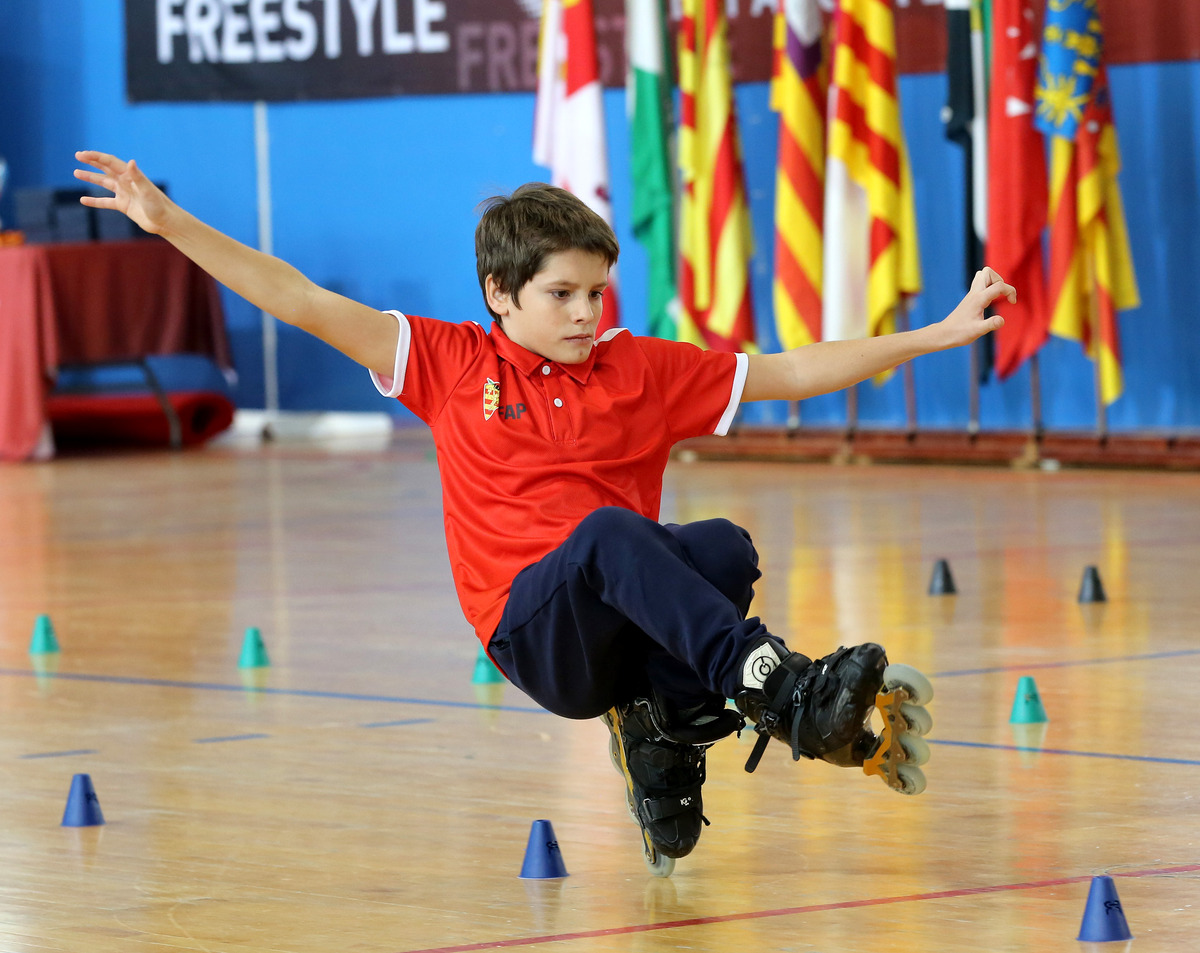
735, 395
393, 386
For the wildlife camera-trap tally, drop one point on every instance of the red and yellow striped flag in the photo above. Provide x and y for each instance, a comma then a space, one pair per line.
715, 241
799, 94
871, 257
1091, 267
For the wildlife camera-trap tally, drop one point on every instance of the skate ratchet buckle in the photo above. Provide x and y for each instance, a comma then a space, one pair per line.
900, 748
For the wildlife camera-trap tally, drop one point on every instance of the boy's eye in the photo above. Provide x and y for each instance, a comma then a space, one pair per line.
597, 294
560, 294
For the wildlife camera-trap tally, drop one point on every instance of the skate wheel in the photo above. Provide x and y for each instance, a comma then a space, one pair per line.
920, 722
661, 866
916, 750
917, 685
912, 777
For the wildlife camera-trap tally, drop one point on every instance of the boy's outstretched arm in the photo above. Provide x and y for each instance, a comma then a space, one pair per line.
829, 366
361, 333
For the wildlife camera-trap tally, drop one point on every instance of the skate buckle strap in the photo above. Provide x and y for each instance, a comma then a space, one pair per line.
660, 808
769, 721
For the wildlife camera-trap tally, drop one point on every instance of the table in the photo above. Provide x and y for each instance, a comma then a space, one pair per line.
89, 303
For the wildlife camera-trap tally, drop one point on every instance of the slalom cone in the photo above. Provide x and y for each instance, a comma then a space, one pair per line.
486, 672
254, 653
44, 641
1091, 589
941, 583
1027, 704
543, 860
83, 807
1103, 918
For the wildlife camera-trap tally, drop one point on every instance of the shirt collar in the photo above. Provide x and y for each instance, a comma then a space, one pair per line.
530, 364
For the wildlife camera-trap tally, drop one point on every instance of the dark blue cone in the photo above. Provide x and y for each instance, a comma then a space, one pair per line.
1091, 589
543, 860
83, 807
941, 583
1103, 918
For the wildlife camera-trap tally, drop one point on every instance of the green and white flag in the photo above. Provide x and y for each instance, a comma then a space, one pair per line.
649, 105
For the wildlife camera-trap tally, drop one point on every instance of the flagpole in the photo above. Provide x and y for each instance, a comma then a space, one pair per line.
1035, 398
910, 385
262, 160
973, 392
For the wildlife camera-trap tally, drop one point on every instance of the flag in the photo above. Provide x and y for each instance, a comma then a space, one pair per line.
1091, 267
871, 257
799, 94
715, 241
650, 125
1016, 184
568, 128
968, 49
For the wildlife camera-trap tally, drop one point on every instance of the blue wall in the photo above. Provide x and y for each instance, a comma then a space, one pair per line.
376, 199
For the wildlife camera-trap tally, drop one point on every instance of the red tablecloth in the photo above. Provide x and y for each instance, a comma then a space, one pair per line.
86, 303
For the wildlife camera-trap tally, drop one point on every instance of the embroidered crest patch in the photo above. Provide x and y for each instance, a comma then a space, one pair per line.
491, 398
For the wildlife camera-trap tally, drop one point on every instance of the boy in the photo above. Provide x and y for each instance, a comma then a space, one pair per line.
552, 446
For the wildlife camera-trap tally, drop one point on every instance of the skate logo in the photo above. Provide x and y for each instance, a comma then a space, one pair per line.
491, 398
758, 665
685, 802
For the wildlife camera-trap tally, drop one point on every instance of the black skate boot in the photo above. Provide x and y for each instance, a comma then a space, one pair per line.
660, 752
819, 709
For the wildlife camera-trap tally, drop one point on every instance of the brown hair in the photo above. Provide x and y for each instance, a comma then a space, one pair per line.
518, 232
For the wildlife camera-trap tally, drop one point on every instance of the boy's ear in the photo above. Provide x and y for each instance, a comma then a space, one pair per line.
497, 299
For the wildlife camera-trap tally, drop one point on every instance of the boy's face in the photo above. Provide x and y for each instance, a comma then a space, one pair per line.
560, 307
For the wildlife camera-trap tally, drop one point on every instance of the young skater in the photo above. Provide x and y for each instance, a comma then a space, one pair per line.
551, 446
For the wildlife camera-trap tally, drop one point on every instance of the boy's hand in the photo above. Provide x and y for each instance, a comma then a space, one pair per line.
967, 321
132, 192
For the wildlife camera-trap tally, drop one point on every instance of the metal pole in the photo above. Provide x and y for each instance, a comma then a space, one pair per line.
1035, 397
266, 244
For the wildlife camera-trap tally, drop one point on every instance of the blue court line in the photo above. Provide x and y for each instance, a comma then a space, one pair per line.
209, 741
264, 690
59, 754
1062, 751
1029, 666
395, 724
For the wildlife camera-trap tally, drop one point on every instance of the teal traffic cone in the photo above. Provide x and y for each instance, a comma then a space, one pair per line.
1027, 704
43, 640
486, 672
254, 653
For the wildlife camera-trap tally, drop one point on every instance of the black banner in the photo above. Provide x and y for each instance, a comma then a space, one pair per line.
245, 50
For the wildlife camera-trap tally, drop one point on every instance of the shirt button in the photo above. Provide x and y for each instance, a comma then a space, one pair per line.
545, 368
557, 401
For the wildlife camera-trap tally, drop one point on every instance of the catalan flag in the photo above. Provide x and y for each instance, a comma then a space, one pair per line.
1091, 267
568, 131
871, 257
1016, 184
798, 94
714, 234
651, 123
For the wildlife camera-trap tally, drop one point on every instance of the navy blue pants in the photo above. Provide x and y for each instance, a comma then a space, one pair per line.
626, 604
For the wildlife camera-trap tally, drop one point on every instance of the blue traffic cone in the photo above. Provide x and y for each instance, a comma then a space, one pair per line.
83, 807
1027, 704
941, 583
254, 653
543, 859
1091, 589
486, 672
44, 640
1103, 918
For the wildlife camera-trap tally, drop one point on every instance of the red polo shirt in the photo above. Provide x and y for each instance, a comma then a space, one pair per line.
527, 447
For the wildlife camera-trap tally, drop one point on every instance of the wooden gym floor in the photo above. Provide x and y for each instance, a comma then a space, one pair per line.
362, 795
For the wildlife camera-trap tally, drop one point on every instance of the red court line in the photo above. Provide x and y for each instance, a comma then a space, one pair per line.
793, 911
